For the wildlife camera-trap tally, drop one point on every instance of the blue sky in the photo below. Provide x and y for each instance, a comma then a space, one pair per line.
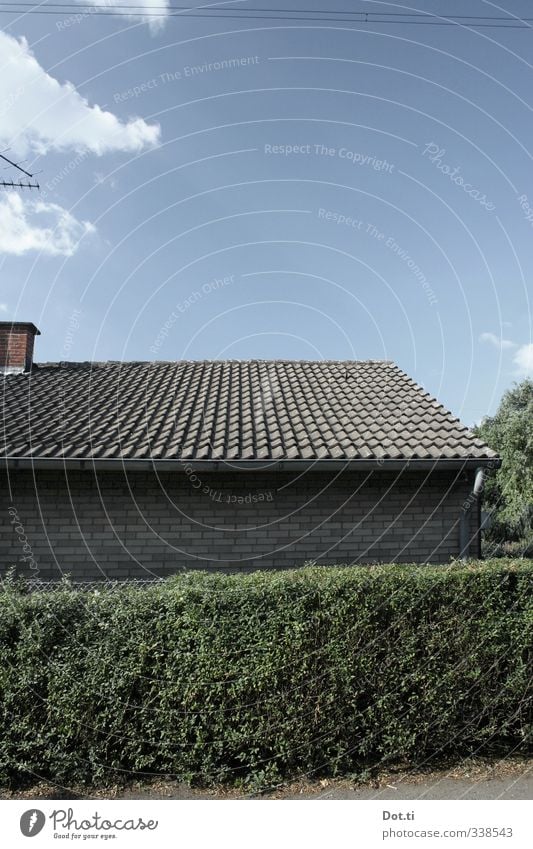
265, 189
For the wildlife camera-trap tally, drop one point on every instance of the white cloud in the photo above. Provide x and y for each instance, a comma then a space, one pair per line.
156, 11
523, 359
32, 225
523, 355
38, 113
3, 307
496, 341
103, 179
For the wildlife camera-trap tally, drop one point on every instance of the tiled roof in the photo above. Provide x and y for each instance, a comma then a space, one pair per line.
227, 410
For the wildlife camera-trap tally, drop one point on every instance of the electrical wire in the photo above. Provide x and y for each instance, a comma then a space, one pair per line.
257, 13
240, 8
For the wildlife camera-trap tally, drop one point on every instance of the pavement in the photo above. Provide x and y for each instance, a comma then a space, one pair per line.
501, 780
520, 787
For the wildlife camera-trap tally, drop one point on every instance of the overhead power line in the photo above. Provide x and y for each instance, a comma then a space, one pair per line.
240, 8
263, 13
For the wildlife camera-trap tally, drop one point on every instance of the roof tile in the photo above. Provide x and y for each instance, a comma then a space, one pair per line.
228, 409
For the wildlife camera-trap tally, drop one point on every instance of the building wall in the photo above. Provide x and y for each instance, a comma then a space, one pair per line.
141, 525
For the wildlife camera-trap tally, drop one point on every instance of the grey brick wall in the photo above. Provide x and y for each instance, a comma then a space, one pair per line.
141, 525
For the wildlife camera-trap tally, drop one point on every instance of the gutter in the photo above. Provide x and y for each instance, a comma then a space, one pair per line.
150, 465
465, 537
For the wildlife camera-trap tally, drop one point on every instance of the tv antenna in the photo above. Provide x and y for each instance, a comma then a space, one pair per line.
11, 184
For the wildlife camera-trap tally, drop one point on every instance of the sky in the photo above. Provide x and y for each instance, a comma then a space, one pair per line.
228, 188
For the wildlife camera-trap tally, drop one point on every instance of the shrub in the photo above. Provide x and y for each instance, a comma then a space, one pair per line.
515, 548
257, 677
509, 490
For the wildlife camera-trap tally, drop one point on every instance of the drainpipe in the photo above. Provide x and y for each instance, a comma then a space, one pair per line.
464, 521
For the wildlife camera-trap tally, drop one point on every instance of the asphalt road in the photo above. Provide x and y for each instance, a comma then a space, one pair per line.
515, 786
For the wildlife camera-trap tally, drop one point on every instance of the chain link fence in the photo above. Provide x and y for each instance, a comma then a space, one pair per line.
103, 585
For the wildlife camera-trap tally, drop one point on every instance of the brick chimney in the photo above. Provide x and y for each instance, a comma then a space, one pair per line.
16, 346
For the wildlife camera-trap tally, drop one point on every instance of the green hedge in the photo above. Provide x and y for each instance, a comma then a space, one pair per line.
320, 671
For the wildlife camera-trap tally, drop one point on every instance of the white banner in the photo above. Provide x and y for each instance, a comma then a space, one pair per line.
254, 824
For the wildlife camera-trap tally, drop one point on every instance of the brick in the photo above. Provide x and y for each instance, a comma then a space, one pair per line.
404, 525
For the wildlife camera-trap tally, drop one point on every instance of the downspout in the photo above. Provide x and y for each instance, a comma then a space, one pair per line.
464, 521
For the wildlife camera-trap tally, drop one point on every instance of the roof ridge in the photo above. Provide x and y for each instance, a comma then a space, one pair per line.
66, 363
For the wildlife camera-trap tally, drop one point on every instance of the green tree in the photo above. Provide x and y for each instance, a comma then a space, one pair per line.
509, 491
